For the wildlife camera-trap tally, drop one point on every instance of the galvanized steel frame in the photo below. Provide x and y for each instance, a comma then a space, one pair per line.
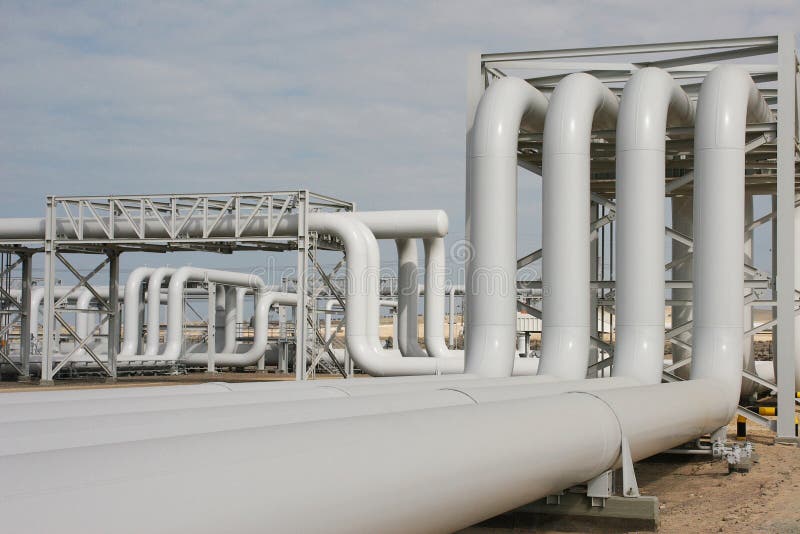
771, 159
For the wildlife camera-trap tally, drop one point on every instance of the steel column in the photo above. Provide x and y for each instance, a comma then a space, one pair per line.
784, 275
114, 322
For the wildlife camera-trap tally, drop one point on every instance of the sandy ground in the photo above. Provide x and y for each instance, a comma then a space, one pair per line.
698, 495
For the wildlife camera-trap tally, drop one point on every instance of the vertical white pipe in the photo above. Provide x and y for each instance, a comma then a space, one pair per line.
491, 229
132, 328
231, 311
154, 309
219, 318
578, 102
728, 101
435, 275
408, 298
241, 292
451, 331
651, 101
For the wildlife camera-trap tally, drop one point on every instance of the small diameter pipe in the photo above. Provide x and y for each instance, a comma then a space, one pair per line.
362, 296
174, 347
728, 101
155, 282
579, 103
231, 311
408, 299
651, 101
132, 330
264, 301
508, 105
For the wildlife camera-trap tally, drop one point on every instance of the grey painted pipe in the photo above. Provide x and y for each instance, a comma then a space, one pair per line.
578, 103
508, 105
728, 101
651, 101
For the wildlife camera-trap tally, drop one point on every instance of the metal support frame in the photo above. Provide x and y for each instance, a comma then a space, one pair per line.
786, 240
211, 327
156, 223
771, 161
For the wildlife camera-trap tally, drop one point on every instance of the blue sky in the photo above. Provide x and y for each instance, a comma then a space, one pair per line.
364, 101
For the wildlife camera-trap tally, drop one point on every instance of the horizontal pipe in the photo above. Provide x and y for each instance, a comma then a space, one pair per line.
161, 475
81, 431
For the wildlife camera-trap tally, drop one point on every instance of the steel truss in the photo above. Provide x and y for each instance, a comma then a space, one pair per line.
111, 225
771, 165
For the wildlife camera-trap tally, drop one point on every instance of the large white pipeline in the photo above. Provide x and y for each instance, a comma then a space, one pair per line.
508, 105
578, 102
651, 101
728, 101
584, 439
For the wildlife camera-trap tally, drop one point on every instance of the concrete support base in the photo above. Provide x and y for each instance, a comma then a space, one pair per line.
110, 380
47, 383
575, 513
24, 378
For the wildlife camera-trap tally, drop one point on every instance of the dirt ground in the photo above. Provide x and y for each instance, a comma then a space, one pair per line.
698, 495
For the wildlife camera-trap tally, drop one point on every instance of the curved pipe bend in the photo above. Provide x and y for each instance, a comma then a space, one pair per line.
265, 299
579, 103
174, 347
651, 101
728, 101
508, 105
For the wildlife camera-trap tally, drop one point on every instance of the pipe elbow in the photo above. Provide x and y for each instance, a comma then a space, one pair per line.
508, 106
579, 103
729, 99
651, 101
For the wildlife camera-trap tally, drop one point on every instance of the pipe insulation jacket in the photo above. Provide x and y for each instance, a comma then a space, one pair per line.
579, 103
507, 106
161, 475
651, 101
728, 101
